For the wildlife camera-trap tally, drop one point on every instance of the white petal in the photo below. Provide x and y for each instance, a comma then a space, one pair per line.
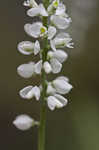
60, 22
43, 11
47, 67
63, 100
36, 47
33, 3
51, 32
52, 44
26, 70
61, 9
26, 47
63, 78
23, 122
53, 103
50, 89
26, 92
33, 29
61, 86
32, 12
56, 65
36, 92
60, 55
38, 67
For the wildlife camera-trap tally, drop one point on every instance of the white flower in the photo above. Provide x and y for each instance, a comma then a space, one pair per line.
30, 3
30, 92
23, 122
51, 32
61, 85
38, 67
61, 40
60, 22
47, 67
56, 101
26, 47
60, 55
26, 70
37, 11
36, 47
56, 65
35, 30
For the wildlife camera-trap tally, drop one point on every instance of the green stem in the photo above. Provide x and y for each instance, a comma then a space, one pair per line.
41, 140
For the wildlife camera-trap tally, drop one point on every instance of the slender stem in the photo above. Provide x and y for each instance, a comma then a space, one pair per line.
41, 140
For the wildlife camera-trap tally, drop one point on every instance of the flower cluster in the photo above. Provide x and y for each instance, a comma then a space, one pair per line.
54, 32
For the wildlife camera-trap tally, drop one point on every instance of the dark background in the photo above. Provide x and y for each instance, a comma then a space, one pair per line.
75, 127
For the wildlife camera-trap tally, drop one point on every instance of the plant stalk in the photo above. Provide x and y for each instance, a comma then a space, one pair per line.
41, 140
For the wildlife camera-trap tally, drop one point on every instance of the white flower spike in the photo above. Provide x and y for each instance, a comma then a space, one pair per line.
23, 122
48, 37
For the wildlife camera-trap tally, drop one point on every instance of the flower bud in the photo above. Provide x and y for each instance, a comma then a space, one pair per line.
24, 122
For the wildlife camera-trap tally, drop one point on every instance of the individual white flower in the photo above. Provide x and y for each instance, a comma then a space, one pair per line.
56, 101
47, 67
30, 92
36, 47
23, 122
51, 32
37, 11
35, 30
26, 47
62, 86
26, 70
60, 22
61, 40
30, 3
60, 55
38, 67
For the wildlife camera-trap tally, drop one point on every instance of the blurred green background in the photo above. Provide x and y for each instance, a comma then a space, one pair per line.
75, 127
